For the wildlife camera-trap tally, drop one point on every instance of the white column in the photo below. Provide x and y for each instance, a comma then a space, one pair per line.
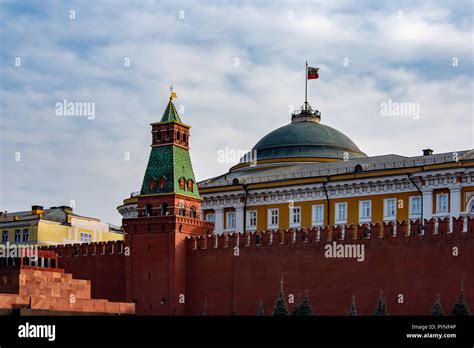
239, 219
455, 200
455, 204
219, 220
427, 204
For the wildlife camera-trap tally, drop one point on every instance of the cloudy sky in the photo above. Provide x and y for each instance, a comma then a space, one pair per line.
238, 70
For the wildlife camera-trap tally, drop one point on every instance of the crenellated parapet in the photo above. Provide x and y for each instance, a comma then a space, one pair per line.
391, 232
87, 249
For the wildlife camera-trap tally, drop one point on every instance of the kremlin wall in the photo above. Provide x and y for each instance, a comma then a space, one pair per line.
418, 267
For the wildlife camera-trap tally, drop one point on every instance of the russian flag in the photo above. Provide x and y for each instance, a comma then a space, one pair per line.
312, 73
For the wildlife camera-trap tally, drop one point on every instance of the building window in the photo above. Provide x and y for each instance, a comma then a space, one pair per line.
192, 212
86, 237
365, 211
4, 236
295, 217
26, 235
182, 184
230, 219
390, 209
210, 217
318, 215
190, 185
341, 213
442, 203
252, 219
17, 236
272, 218
163, 182
415, 206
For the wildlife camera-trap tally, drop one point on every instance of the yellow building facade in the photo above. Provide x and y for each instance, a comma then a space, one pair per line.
56, 225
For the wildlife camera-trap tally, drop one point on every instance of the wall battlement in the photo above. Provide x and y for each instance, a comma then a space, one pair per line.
87, 249
392, 232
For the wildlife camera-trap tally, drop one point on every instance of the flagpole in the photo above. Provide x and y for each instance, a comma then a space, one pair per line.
306, 88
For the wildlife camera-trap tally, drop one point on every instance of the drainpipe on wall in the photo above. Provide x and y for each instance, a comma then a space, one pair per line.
327, 199
246, 192
421, 192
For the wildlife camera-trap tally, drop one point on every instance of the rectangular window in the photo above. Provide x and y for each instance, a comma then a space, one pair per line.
272, 218
318, 215
85, 237
230, 219
252, 219
390, 209
415, 206
365, 211
341, 213
26, 235
4, 236
442, 203
17, 236
295, 217
210, 217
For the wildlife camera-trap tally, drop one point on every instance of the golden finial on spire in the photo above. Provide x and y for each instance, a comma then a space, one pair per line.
173, 94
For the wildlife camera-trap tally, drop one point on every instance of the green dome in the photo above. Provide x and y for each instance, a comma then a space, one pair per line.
306, 139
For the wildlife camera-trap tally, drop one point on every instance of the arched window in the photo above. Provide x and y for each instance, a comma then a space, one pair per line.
164, 209
358, 168
163, 182
190, 185
182, 209
151, 183
182, 183
148, 210
192, 212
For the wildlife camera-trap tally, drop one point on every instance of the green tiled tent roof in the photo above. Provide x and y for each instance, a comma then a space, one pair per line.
170, 114
169, 162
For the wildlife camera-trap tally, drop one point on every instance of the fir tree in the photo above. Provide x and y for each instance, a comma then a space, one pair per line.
305, 306
381, 309
261, 309
437, 309
353, 311
296, 308
280, 304
461, 308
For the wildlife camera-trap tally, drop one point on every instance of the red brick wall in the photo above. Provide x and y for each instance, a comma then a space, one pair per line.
418, 267
102, 263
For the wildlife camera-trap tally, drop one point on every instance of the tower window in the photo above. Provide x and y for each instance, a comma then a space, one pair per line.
151, 183
182, 184
164, 209
148, 209
162, 182
190, 185
182, 209
192, 212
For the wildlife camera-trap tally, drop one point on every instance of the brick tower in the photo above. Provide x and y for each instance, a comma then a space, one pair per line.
168, 209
